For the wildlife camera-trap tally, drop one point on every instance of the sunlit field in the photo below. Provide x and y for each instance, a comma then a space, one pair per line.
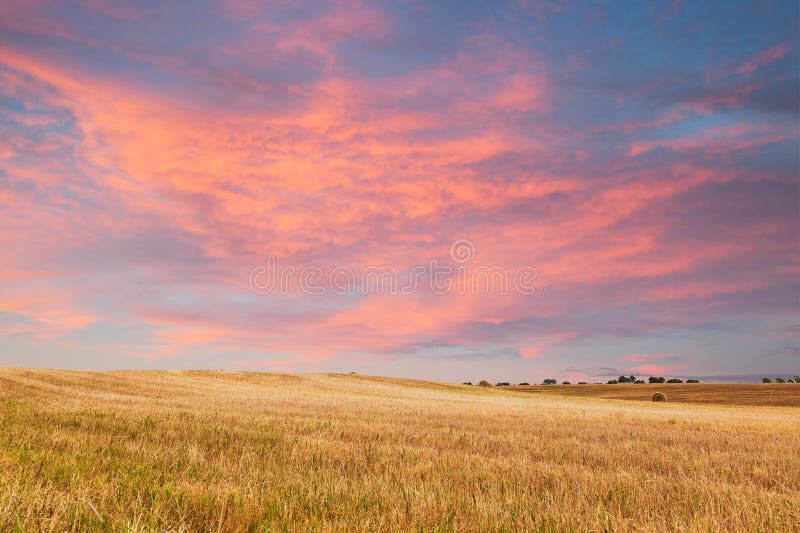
230, 451
769, 394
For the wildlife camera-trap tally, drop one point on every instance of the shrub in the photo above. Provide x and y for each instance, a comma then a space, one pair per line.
779, 380
566, 383
796, 379
503, 384
639, 382
612, 382
467, 383
549, 381
584, 383
659, 397
766, 380
524, 383
485, 383
692, 381
674, 380
653, 379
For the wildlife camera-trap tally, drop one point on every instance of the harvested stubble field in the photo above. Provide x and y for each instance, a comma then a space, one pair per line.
774, 394
232, 451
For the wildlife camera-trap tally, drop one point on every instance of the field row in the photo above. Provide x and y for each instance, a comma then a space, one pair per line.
231, 451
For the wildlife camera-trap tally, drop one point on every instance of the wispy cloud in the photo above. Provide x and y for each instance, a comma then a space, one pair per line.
764, 58
144, 173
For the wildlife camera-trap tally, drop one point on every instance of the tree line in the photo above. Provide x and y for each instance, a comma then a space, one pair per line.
795, 379
630, 379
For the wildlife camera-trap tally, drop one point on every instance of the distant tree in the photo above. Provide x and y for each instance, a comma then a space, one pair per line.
779, 380
524, 383
766, 380
639, 382
796, 379
653, 379
612, 382
674, 380
467, 383
503, 384
692, 381
566, 383
549, 381
584, 383
626, 379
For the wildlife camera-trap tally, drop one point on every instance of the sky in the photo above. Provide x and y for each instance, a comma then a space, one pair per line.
626, 171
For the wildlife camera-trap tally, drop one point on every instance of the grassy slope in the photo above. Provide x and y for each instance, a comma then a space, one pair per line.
244, 451
774, 394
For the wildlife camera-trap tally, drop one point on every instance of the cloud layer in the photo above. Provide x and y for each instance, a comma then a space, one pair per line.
644, 162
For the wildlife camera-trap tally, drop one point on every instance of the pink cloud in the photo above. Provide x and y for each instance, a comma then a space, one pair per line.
640, 358
189, 187
720, 140
763, 58
655, 370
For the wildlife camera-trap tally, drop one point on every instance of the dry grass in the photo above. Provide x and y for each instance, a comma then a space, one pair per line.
243, 451
771, 394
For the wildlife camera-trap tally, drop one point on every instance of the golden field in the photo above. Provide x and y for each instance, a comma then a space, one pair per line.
232, 451
770, 394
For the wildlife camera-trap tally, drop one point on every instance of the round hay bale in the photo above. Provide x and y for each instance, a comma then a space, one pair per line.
659, 397
485, 383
